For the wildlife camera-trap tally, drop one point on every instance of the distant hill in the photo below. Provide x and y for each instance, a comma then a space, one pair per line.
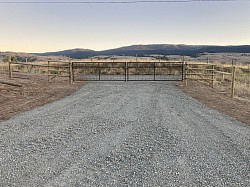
133, 50
73, 53
146, 50
29, 57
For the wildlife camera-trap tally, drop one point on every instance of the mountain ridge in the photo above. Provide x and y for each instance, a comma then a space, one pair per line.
152, 49
144, 50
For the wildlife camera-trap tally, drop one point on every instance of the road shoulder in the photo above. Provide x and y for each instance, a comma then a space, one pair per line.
35, 91
236, 108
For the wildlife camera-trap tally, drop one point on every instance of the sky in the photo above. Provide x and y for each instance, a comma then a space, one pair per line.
36, 27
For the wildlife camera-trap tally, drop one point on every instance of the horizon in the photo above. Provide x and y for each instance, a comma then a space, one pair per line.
38, 28
117, 48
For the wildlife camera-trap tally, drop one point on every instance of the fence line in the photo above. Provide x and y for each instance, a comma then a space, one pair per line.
212, 74
203, 72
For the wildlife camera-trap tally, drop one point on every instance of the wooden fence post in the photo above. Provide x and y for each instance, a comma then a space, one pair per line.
48, 71
70, 72
183, 70
185, 74
213, 76
10, 73
73, 74
233, 82
248, 69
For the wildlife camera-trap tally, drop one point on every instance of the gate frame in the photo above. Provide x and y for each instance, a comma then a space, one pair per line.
126, 68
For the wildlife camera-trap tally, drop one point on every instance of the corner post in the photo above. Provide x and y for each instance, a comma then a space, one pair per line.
10, 71
213, 76
183, 69
48, 71
233, 83
71, 72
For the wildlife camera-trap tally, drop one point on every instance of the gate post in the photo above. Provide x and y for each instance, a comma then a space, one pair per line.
125, 71
48, 71
213, 76
183, 69
70, 72
185, 73
99, 70
233, 82
154, 71
73, 73
10, 72
127, 68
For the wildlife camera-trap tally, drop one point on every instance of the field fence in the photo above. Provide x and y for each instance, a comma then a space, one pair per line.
233, 80
50, 69
220, 76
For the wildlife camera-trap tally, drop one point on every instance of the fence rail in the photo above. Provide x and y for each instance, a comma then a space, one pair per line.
208, 73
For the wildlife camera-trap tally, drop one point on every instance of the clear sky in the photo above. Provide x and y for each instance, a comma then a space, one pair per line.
53, 27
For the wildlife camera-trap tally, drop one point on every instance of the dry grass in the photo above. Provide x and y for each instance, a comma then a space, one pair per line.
242, 80
35, 91
242, 90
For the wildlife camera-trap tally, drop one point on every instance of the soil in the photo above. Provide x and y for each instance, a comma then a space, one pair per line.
234, 107
35, 91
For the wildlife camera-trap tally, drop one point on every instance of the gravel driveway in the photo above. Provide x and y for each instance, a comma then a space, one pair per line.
124, 134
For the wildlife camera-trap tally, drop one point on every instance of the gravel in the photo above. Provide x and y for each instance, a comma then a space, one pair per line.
124, 134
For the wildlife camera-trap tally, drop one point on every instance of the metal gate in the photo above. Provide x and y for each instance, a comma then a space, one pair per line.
128, 71
155, 71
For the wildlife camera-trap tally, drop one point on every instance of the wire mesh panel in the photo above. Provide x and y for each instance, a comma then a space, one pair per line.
168, 71
154, 71
137, 71
99, 71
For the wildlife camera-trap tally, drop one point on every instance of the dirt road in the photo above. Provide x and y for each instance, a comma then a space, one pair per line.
124, 134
